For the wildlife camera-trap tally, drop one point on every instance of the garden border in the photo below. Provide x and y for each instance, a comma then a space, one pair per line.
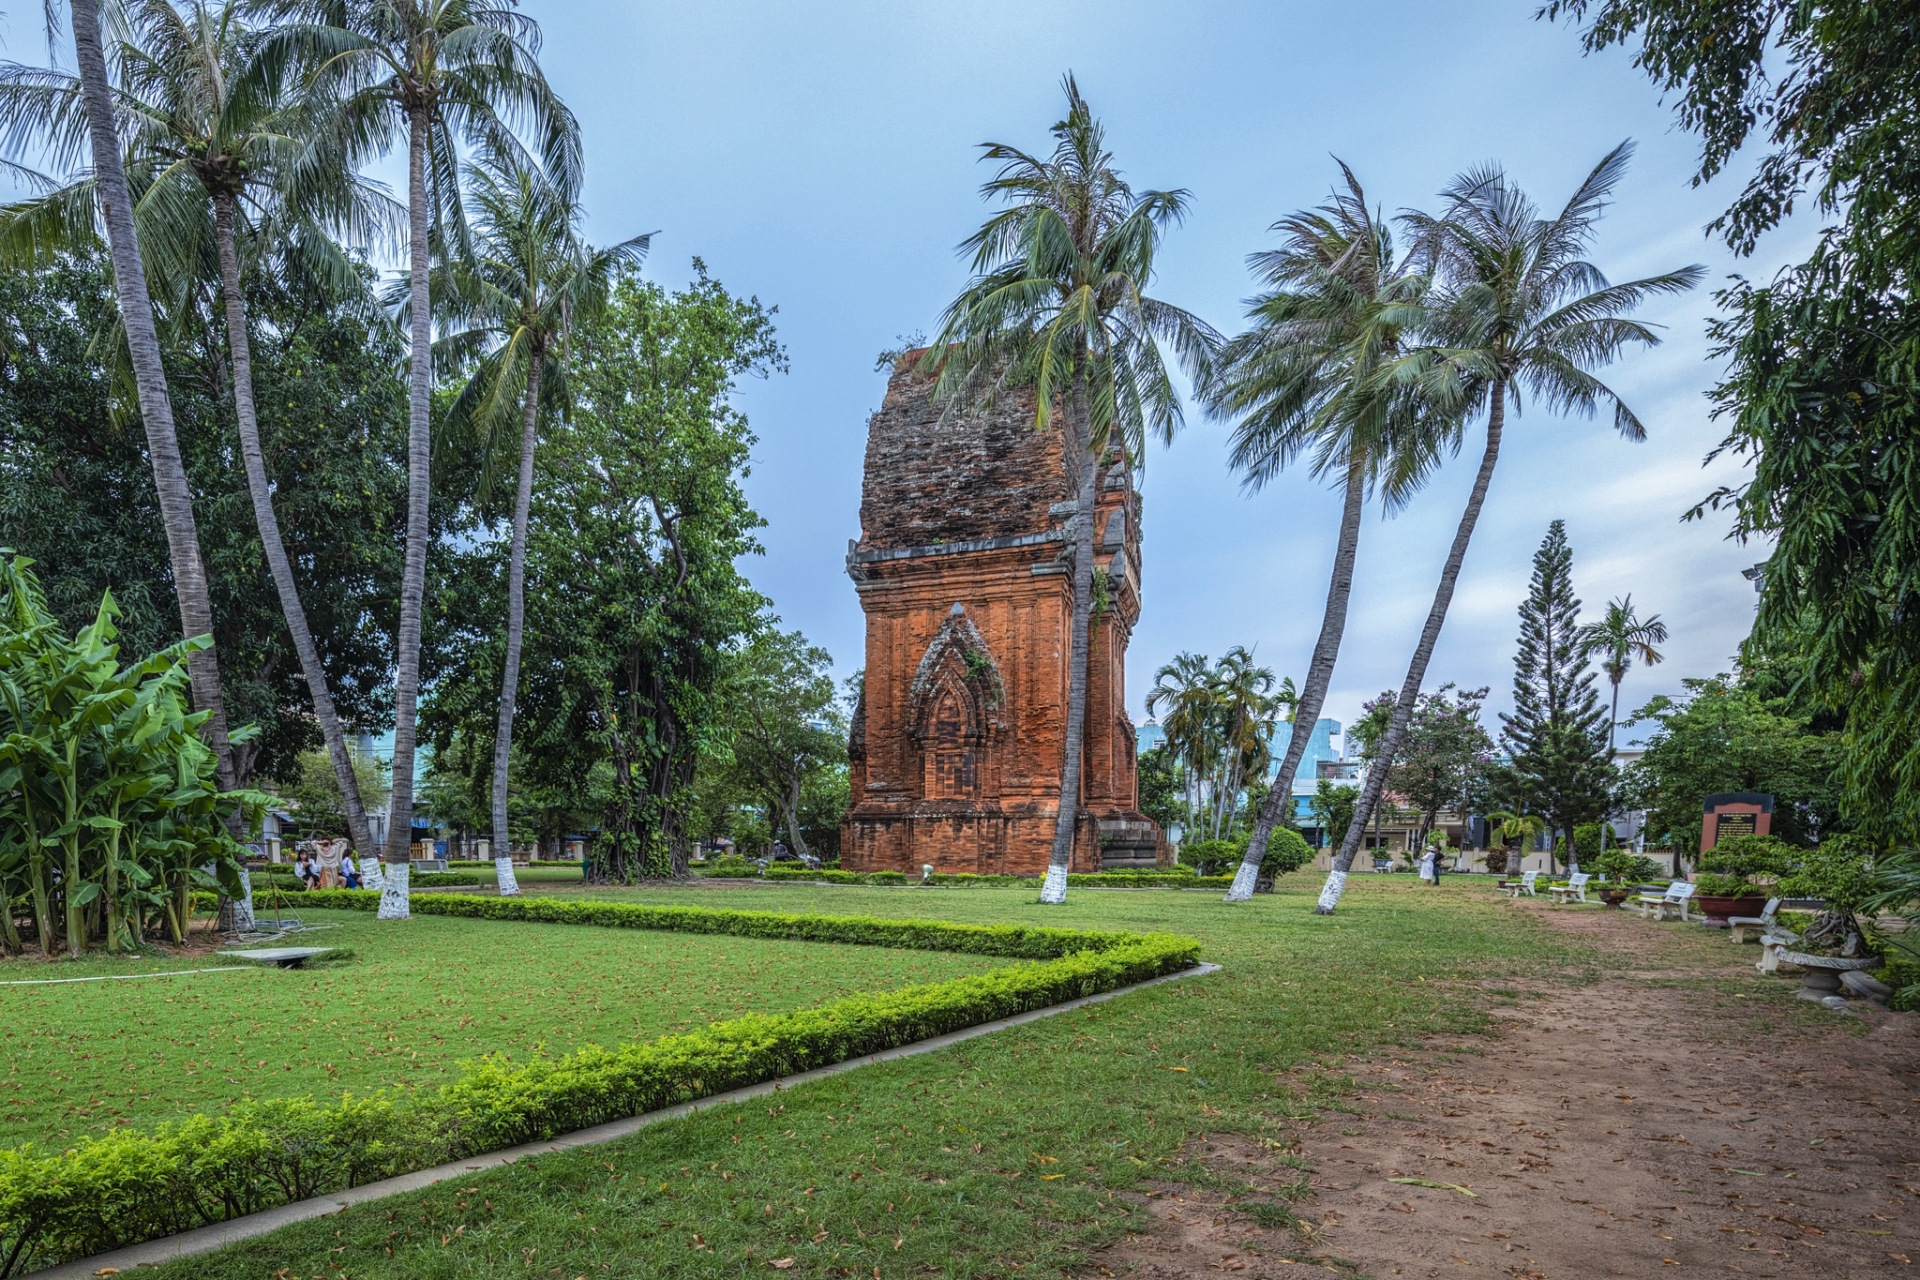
202, 1240
126, 1188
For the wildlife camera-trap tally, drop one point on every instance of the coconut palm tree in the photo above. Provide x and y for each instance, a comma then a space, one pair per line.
203, 140
1304, 381
1520, 308
94, 128
1618, 638
505, 313
1245, 708
1182, 697
1058, 304
432, 72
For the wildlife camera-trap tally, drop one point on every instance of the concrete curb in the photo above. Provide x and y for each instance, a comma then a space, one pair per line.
220, 1234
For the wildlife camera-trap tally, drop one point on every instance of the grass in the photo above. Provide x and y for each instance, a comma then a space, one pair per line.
1003, 1156
414, 1002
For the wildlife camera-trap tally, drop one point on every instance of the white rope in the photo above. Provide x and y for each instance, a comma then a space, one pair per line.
121, 977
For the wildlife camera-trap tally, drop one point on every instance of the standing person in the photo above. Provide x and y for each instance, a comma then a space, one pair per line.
1428, 860
1439, 862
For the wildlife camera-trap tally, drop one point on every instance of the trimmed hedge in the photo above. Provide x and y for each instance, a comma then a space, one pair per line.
1183, 879
128, 1186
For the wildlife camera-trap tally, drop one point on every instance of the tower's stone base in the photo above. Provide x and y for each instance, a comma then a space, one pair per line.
996, 843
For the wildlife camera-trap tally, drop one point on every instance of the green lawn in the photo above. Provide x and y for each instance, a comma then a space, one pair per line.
415, 1001
997, 1157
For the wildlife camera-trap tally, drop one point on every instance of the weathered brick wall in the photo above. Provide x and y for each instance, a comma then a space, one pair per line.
930, 481
963, 575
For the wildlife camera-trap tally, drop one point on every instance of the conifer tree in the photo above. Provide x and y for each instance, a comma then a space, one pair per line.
1557, 733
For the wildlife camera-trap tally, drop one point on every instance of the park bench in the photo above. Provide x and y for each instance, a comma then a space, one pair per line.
1574, 890
1524, 885
1658, 906
1740, 927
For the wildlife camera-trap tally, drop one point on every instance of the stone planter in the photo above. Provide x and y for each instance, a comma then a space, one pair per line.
1615, 898
1718, 909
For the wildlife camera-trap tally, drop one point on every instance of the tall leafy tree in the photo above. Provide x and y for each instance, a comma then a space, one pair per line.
76, 490
1561, 755
1820, 393
206, 137
1725, 735
635, 603
1305, 382
1519, 308
25, 114
431, 72
508, 307
784, 723
1058, 304
1444, 760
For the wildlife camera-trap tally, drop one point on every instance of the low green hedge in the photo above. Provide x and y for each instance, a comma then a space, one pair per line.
129, 1186
1182, 879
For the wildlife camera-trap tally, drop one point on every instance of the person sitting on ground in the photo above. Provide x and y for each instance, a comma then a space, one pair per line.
349, 873
309, 875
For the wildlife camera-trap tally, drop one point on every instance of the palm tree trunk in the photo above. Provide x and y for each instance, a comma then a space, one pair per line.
1326, 651
241, 353
413, 580
150, 382
1055, 888
1613, 719
1423, 652
516, 625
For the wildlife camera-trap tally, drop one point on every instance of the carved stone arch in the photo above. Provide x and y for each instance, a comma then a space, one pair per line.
953, 708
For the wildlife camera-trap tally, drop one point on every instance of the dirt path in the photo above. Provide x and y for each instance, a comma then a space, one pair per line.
1661, 1120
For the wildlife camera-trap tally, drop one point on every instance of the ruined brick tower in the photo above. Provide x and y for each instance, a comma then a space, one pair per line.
964, 572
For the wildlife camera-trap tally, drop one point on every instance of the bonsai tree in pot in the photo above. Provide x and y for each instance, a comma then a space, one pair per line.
1623, 869
1736, 874
1840, 872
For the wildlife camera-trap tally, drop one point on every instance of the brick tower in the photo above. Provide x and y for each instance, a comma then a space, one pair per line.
964, 569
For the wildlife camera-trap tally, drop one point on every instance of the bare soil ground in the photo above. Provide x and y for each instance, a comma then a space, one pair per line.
1685, 1114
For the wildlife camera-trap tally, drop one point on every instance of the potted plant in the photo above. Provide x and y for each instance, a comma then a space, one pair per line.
1623, 869
1735, 874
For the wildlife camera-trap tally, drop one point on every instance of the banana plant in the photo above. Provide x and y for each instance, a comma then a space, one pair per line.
110, 813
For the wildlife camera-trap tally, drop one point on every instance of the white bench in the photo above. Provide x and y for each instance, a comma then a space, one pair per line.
1527, 879
1659, 906
1740, 927
1574, 890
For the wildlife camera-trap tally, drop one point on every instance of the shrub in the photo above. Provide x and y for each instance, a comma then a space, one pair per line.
1751, 855
130, 1186
1839, 870
1623, 866
1204, 855
1287, 851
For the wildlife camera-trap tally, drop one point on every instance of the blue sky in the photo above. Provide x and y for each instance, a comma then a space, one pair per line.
822, 157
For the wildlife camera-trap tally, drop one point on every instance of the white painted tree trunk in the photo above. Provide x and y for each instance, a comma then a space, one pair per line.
395, 902
503, 872
243, 905
370, 877
1054, 890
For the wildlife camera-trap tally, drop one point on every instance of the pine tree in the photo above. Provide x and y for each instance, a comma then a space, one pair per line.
1557, 734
